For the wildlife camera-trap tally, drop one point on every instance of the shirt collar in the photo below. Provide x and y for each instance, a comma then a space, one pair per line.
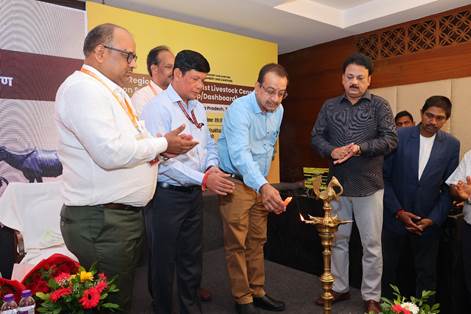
253, 101
175, 98
256, 107
157, 87
112, 85
366, 95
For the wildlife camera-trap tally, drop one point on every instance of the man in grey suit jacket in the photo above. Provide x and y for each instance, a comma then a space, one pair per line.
416, 198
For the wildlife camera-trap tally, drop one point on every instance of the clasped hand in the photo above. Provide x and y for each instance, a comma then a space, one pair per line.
464, 189
343, 153
414, 223
178, 143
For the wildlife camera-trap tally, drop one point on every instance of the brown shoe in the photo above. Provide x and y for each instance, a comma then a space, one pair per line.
372, 306
204, 294
338, 297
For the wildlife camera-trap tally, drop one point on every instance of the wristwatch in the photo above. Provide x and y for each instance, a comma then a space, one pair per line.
359, 150
163, 158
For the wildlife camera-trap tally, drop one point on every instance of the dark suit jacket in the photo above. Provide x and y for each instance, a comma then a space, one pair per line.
427, 198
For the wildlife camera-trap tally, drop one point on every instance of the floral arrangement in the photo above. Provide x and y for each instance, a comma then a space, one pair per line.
37, 279
400, 305
77, 293
60, 285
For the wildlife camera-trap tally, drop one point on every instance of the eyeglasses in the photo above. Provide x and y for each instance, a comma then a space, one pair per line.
431, 116
273, 92
130, 56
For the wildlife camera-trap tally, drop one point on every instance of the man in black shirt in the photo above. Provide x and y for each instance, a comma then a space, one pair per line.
355, 131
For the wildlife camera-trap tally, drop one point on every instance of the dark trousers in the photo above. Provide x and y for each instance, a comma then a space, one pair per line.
175, 219
466, 238
423, 255
111, 238
7, 251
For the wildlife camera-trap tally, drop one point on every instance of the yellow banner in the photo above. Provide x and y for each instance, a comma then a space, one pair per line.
234, 56
235, 60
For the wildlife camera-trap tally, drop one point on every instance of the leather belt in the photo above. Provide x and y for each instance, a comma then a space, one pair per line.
119, 206
233, 175
179, 188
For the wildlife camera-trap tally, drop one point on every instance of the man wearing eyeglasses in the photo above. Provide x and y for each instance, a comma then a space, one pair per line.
355, 131
246, 146
160, 67
107, 157
175, 212
416, 199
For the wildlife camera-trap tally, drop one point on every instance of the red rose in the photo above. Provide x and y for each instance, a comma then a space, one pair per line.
67, 268
39, 286
43, 266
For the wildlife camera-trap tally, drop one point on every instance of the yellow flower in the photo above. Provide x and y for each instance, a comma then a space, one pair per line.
85, 275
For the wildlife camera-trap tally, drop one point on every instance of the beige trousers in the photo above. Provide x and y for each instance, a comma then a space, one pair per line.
245, 232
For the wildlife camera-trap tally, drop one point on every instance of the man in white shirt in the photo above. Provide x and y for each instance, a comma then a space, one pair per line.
175, 213
160, 62
108, 159
460, 188
416, 198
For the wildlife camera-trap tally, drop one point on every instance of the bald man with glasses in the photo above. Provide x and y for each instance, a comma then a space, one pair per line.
108, 160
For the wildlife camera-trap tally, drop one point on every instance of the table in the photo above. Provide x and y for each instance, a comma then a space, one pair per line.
34, 210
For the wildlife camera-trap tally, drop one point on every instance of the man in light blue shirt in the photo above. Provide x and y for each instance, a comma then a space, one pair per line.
250, 129
175, 212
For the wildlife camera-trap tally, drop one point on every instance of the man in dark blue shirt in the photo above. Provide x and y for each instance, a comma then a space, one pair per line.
355, 131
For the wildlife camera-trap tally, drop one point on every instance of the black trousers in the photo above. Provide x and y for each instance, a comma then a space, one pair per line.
175, 222
466, 238
423, 255
7, 251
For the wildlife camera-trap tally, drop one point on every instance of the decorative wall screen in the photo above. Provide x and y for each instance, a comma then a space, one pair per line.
446, 29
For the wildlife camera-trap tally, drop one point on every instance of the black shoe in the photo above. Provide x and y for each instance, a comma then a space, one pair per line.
248, 308
269, 304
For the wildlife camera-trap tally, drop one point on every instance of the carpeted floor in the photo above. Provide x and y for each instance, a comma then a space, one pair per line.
298, 289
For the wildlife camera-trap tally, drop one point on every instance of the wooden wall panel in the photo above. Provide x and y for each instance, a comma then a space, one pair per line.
315, 75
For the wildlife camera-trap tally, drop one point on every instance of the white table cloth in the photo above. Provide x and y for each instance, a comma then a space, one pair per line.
34, 210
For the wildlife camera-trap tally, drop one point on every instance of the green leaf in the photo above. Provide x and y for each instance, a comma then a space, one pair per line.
110, 306
43, 296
